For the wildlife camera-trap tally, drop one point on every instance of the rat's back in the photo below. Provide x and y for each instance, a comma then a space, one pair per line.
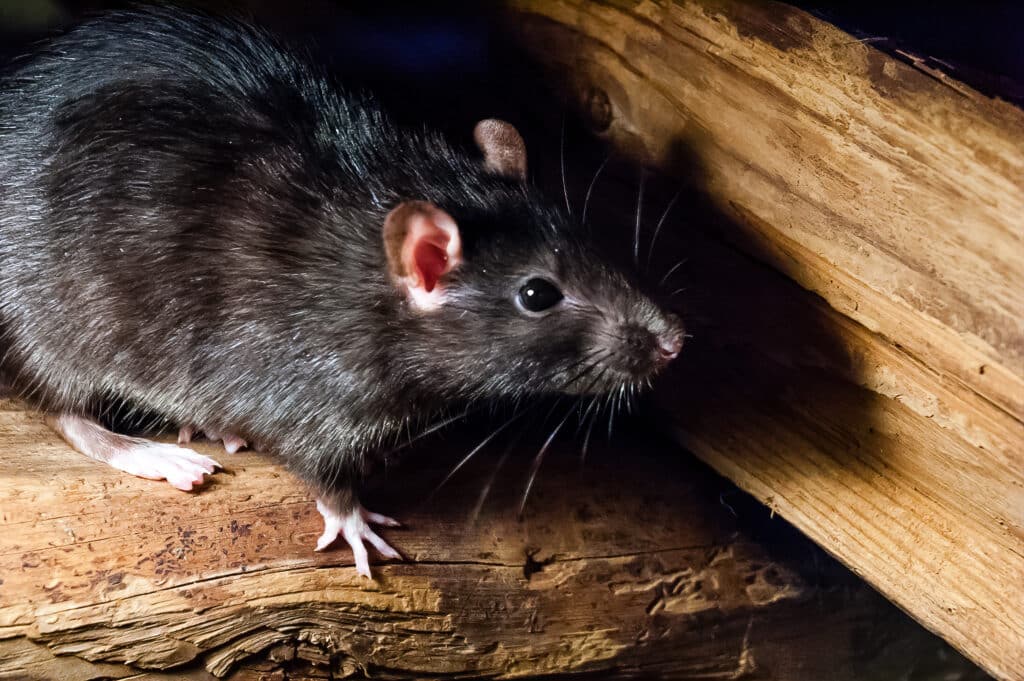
164, 177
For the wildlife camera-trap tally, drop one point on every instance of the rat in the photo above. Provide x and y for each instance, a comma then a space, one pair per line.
198, 220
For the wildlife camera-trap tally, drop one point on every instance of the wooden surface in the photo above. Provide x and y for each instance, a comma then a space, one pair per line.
634, 564
878, 402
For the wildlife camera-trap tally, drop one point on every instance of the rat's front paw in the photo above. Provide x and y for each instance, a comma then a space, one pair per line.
354, 526
232, 443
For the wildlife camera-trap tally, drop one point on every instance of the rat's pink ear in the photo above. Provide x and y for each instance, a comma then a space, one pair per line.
502, 146
422, 244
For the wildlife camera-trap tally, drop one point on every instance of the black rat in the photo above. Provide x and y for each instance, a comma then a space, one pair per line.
197, 220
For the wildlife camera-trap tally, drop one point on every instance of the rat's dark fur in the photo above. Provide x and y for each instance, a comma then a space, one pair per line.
190, 221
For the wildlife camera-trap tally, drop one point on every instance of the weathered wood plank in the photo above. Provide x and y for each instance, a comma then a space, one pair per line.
617, 568
885, 417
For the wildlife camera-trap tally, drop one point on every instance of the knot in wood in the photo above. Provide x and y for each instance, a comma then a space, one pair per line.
597, 109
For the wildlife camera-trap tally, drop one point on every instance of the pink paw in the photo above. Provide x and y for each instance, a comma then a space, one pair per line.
354, 526
181, 467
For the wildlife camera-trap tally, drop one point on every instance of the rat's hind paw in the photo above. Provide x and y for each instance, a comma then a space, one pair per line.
181, 467
354, 527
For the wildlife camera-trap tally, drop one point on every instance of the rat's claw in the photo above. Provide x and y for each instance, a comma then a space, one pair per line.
354, 527
354, 537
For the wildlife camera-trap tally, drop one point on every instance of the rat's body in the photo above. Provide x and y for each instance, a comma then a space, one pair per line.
199, 223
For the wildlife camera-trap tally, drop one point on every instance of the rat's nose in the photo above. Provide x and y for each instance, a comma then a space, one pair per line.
645, 350
670, 342
669, 346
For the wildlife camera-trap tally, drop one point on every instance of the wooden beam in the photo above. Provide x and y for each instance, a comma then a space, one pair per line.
624, 568
878, 405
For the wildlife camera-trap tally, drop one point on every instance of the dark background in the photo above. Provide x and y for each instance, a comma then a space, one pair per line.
441, 43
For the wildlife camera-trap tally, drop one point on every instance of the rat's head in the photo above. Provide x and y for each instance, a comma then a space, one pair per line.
508, 297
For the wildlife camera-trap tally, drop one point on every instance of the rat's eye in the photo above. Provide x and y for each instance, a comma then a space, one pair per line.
538, 295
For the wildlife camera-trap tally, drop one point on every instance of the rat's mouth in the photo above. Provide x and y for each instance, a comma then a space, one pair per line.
621, 358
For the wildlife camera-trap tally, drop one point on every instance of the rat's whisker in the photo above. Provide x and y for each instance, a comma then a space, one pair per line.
587, 357
535, 466
672, 271
657, 230
599, 352
435, 427
590, 188
590, 407
494, 475
561, 160
590, 430
594, 402
639, 207
590, 386
586, 370
611, 418
483, 443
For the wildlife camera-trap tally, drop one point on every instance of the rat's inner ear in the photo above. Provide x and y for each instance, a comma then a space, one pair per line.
422, 244
502, 146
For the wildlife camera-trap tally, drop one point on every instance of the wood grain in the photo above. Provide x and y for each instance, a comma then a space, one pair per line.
878, 402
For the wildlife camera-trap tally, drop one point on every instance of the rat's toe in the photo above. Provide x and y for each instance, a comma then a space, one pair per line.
332, 525
188, 459
378, 519
327, 538
185, 434
382, 546
232, 443
355, 540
